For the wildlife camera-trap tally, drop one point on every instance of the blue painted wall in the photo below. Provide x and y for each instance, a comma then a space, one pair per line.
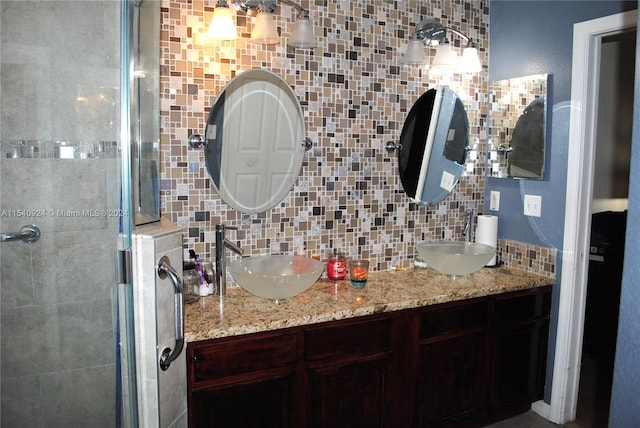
530, 37
625, 400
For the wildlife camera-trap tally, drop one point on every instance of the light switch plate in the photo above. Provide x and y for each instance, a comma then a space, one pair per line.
494, 200
533, 205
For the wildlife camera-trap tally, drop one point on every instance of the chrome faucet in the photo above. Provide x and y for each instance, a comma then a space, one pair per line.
468, 220
221, 265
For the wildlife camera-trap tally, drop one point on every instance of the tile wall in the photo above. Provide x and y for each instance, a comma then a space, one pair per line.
355, 95
530, 258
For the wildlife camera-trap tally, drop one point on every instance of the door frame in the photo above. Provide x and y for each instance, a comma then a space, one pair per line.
587, 39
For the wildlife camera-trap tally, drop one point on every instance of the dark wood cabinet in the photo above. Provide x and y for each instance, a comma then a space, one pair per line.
457, 364
481, 360
349, 373
335, 374
263, 402
247, 381
353, 394
452, 363
519, 351
451, 381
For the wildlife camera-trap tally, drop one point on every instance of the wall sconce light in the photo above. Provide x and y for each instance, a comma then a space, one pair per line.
222, 26
302, 34
445, 59
431, 33
415, 52
265, 30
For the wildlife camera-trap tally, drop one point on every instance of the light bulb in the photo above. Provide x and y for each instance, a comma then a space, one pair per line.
470, 63
222, 26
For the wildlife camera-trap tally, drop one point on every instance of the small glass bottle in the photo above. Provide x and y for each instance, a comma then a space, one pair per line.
336, 266
190, 282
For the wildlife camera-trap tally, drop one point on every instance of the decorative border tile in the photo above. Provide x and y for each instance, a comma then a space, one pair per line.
527, 257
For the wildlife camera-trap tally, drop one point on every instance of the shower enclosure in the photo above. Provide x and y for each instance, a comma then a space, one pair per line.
67, 334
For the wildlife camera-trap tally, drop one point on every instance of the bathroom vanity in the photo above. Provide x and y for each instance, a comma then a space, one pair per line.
411, 349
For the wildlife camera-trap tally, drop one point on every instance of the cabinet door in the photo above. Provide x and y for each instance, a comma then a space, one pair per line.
451, 387
518, 366
214, 361
245, 381
350, 395
519, 352
262, 403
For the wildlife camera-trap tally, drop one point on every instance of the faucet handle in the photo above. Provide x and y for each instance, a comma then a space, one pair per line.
222, 227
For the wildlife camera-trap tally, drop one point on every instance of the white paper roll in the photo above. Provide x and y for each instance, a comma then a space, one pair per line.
487, 233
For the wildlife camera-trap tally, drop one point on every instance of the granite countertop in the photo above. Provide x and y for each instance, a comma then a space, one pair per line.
240, 312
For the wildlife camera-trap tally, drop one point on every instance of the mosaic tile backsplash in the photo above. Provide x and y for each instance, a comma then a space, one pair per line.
530, 258
355, 94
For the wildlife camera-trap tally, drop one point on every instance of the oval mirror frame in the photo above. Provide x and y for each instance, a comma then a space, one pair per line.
433, 146
254, 141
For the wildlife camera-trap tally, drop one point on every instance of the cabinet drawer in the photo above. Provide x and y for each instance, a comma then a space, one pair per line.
244, 355
453, 319
356, 338
526, 306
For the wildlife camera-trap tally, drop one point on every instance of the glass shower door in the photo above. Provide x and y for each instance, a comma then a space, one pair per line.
65, 313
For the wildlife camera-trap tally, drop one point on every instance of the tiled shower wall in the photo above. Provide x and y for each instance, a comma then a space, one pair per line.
355, 94
59, 77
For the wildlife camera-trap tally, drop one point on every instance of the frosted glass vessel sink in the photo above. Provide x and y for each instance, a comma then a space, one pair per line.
455, 257
276, 277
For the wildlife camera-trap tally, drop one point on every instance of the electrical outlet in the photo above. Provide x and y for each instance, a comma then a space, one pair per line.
533, 205
494, 200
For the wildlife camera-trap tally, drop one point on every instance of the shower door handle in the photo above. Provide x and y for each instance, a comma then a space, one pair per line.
29, 234
164, 270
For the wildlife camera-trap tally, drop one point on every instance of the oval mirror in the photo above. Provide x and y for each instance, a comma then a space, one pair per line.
527, 155
434, 144
254, 141
516, 127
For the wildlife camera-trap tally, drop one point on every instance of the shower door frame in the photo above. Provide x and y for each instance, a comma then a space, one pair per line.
127, 397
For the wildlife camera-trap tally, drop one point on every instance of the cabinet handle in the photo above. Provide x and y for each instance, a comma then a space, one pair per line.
168, 355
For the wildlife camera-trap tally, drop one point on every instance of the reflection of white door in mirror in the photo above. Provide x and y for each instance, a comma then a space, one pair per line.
254, 141
434, 144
